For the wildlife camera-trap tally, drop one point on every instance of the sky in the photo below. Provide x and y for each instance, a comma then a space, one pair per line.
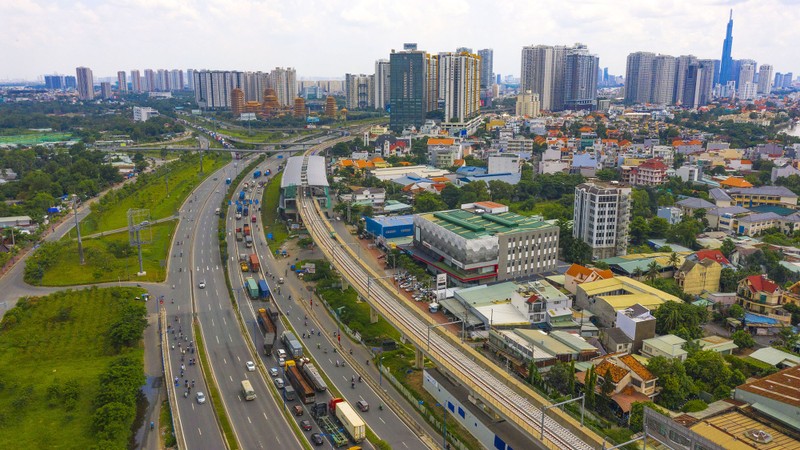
333, 37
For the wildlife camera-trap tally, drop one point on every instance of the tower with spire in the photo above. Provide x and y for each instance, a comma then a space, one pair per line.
726, 64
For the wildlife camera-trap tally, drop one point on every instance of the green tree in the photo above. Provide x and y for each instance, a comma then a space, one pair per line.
676, 385
743, 339
607, 174
672, 316
590, 381
639, 230
501, 191
450, 195
728, 280
636, 417
641, 204
736, 311
558, 377
653, 270
658, 227
428, 202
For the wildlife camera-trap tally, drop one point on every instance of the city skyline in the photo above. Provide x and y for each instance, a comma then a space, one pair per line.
319, 38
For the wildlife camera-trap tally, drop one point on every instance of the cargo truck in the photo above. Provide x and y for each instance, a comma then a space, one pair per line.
263, 289
239, 236
256, 174
246, 230
245, 267
312, 375
267, 323
301, 386
255, 265
245, 210
292, 344
252, 287
247, 390
241, 195
248, 241
349, 419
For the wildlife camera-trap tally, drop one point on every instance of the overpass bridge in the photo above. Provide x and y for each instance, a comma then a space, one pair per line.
268, 148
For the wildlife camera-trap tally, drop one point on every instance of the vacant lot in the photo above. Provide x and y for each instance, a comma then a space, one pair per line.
52, 352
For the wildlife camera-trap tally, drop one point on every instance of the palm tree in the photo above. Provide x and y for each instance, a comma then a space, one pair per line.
637, 273
652, 270
674, 259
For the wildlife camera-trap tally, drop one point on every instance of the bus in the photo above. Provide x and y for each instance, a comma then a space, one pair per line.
247, 390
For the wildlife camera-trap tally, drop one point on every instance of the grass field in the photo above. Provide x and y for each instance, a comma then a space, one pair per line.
109, 258
56, 340
150, 192
269, 213
34, 138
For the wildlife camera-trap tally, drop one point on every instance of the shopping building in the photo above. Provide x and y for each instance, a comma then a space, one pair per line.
483, 242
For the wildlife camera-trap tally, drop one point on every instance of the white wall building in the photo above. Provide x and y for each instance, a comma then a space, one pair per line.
602, 217
143, 113
504, 163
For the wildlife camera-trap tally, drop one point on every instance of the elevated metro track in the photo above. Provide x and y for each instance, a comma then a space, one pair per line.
509, 397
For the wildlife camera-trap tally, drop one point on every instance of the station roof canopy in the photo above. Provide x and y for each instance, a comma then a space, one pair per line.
315, 172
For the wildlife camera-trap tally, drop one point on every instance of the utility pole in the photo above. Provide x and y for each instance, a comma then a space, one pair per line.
166, 180
78, 228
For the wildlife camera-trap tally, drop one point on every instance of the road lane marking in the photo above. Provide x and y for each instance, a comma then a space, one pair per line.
404, 444
224, 321
209, 306
212, 322
265, 416
277, 439
225, 360
217, 339
248, 419
199, 431
229, 337
381, 419
238, 359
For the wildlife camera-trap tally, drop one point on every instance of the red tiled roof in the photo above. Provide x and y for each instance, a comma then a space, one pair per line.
715, 255
616, 373
736, 182
759, 283
441, 141
637, 367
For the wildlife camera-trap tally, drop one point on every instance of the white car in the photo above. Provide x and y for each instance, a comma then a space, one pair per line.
251, 366
281, 362
273, 371
281, 353
279, 383
201, 398
202, 284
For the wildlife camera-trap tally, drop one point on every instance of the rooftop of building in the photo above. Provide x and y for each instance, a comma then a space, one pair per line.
695, 203
780, 210
315, 171
781, 191
636, 367
541, 339
576, 270
669, 344
760, 283
736, 182
775, 357
617, 335
599, 187
729, 430
638, 313
476, 225
487, 294
714, 255
716, 343
393, 221
649, 294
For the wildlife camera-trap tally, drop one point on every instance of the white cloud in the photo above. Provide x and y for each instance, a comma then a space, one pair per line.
329, 38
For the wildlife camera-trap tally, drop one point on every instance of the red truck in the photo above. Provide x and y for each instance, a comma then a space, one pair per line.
246, 230
255, 265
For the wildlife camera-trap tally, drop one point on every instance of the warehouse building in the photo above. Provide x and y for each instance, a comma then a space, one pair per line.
483, 242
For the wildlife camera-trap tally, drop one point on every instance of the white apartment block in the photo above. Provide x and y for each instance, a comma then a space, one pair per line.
602, 217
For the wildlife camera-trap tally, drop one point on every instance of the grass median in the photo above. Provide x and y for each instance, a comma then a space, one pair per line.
269, 213
53, 351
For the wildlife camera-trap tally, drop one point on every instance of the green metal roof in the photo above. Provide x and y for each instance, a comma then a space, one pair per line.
471, 226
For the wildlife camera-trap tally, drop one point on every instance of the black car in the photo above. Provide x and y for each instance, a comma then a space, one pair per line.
305, 425
316, 438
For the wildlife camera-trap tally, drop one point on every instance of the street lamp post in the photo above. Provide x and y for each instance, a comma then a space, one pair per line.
380, 371
444, 425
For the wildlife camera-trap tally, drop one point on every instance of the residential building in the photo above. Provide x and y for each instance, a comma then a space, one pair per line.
759, 294
765, 79
684, 77
105, 90
460, 74
381, 84
747, 88
580, 79
538, 298
504, 163
689, 173
543, 74
284, 81
85, 83
143, 113
614, 340
652, 172
443, 152
528, 105
764, 195
374, 197
604, 298
54, 82
602, 217
637, 323
775, 357
16, 222
671, 214
717, 344
136, 81
213, 89
577, 274
483, 242
776, 396
358, 91
696, 276
70, 82
663, 83
668, 346
487, 66
122, 82
408, 88
639, 77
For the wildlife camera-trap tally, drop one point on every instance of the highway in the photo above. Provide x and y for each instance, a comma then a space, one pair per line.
517, 408
384, 423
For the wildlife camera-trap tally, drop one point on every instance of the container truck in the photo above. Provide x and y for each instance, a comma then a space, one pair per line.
255, 265
349, 418
312, 375
239, 208
246, 210
292, 344
252, 287
301, 386
247, 390
267, 324
263, 289
241, 195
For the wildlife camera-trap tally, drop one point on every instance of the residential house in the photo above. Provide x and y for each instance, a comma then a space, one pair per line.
615, 340
668, 346
605, 297
717, 344
759, 294
638, 324
775, 357
577, 274
631, 381
784, 171
652, 172
735, 182
443, 152
764, 195
690, 204
372, 196
671, 214
701, 272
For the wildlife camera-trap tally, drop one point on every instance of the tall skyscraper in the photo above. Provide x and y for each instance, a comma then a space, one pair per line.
639, 77
580, 78
408, 88
765, 79
690, 95
176, 80
136, 81
747, 89
461, 73
53, 82
709, 72
381, 84
122, 81
213, 88
681, 67
787, 80
602, 217
487, 66
726, 66
663, 80
284, 81
358, 91
543, 74
105, 90
70, 82
149, 84
85, 81
190, 79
